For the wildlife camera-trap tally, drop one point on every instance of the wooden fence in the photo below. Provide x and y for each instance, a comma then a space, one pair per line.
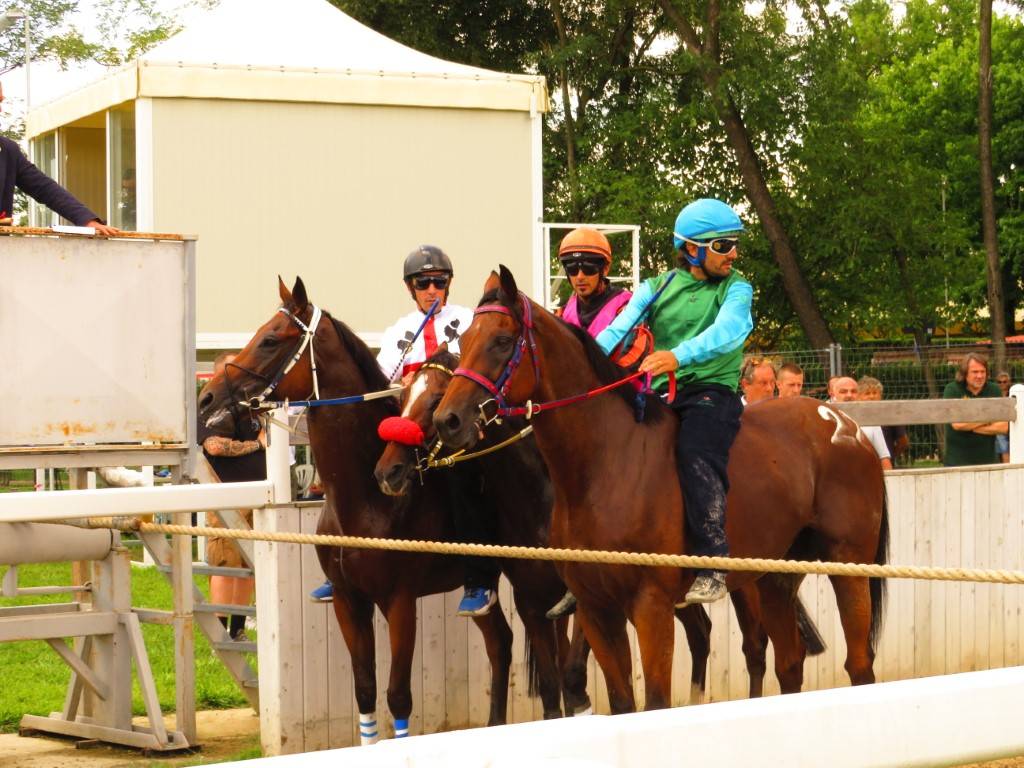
945, 517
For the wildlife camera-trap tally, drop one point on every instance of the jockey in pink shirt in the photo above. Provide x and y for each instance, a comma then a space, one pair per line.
586, 257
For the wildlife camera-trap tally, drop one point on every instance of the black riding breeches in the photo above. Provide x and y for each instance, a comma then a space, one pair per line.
709, 419
474, 523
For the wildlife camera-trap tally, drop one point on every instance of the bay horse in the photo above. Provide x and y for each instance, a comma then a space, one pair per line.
276, 362
804, 483
518, 488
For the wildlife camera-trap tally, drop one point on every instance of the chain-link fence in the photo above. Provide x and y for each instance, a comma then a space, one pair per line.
906, 373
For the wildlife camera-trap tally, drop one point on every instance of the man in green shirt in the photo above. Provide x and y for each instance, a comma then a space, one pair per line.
972, 442
699, 322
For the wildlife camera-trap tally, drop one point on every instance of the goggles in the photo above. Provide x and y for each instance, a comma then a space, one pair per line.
588, 268
423, 282
722, 245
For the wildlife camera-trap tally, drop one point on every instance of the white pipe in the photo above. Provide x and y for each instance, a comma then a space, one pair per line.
945, 720
132, 502
43, 543
1017, 427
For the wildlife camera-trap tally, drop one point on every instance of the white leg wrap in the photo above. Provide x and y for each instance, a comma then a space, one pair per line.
368, 728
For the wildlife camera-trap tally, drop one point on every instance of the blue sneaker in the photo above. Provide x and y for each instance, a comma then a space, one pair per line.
477, 601
323, 594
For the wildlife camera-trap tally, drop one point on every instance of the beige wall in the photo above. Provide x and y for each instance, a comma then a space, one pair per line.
85, 166
338, 194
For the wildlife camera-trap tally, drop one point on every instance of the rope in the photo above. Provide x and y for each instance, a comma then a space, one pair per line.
455, 458
758, 565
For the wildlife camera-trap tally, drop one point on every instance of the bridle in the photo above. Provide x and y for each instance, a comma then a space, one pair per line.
259, 402
499, 388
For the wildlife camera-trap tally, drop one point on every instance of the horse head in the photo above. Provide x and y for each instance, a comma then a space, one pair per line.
267, 365
410, 435
494, 371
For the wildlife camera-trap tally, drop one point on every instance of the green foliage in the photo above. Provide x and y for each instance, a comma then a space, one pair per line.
35, 679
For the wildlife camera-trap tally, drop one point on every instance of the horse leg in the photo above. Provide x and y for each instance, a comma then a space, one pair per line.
755, 640
401, 616
652, 617
543, 662
605, 630
355, 618
697, 625
778, 612
574, 654
853, 597
498, 641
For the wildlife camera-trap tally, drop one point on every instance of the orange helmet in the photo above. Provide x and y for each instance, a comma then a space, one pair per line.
585, 240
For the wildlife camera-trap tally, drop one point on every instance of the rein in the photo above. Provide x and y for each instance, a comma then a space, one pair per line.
499, 388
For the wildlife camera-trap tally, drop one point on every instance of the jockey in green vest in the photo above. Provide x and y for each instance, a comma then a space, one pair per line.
699, 322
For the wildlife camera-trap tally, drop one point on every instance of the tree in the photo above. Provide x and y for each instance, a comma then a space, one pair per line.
707, 51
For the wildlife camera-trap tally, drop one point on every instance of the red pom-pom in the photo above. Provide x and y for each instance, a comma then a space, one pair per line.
398, 429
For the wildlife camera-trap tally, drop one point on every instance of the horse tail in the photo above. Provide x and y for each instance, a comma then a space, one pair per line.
877, 583
813, 641
532, 671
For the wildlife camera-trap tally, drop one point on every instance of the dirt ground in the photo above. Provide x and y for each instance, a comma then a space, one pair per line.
222, 735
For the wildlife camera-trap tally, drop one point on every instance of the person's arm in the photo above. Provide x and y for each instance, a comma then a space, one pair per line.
390, 354
226, 447
626, 319
992, 428
729, 331
45, 190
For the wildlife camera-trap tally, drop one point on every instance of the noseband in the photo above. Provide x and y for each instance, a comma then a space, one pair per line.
259, 401
499, 388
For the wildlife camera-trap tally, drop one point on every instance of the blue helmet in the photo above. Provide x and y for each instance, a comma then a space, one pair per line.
702, 221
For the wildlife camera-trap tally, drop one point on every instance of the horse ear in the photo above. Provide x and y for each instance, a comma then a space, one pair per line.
493, 282
283, 292
508, 285
299, 294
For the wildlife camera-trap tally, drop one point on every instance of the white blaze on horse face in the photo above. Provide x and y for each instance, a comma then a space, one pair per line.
416, 390
841, 420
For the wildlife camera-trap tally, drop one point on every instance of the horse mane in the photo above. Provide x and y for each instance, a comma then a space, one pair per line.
364, 360
444, 357
604, 367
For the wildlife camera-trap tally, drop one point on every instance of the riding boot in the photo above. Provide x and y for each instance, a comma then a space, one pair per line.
707, 587
564, 607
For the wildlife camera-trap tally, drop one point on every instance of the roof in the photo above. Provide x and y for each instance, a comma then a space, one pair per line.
302, 50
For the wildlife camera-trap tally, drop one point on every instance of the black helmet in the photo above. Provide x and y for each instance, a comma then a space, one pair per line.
426, 258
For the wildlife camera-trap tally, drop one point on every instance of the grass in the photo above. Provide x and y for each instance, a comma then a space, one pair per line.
35, 679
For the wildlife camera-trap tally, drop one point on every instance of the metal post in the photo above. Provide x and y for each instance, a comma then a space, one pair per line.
1017, 426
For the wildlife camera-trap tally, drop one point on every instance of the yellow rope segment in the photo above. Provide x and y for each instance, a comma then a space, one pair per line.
758, 565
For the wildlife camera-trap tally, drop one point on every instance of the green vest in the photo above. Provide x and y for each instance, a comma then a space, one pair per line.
687, 308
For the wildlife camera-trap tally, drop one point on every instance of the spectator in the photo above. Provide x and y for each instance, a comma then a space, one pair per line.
843, 389
1003, 441
896, 440
791, 380
757, 380
234, 458
969, 443
17, 171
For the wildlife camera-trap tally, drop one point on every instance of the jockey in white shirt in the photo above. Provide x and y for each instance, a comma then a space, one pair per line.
428, 275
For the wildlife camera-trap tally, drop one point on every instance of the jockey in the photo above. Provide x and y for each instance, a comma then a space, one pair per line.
699, 323
428, 275
586, 256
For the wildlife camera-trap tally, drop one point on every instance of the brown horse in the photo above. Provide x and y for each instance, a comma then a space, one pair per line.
805, 483
517, 495
345, 447
530, 497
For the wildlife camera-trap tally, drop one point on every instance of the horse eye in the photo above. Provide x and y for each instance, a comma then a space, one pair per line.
268, 342
503, 342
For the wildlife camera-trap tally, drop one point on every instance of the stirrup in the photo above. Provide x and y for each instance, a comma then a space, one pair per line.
564, 607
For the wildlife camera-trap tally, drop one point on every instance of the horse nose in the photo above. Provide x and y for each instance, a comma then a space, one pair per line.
448, 425
205, 401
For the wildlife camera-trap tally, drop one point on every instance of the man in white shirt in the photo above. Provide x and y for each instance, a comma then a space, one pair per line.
843, 389
428, 275
405, 346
